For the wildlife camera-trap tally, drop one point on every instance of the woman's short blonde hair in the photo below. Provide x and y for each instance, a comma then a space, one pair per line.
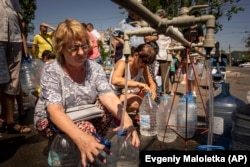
67, 31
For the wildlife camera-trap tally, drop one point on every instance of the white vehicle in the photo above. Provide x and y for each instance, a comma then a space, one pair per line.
246, 64
219, 75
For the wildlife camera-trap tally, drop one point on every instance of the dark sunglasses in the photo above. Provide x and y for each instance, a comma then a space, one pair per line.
144, 59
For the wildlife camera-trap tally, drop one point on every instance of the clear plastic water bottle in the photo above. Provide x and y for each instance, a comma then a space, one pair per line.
159, 83
63, 152
147, 111
124, 154
37, 65
190, 72
108, 65
186, 116
28, 78
200, 70
107, 144
164, 118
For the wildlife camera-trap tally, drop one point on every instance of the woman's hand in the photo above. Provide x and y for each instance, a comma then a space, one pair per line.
144, 87
90, 149
135, 137
131, 132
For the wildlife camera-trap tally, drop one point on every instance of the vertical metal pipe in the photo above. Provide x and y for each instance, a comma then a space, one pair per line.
211, 99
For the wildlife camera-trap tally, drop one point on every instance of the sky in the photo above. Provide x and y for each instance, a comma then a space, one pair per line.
104, 14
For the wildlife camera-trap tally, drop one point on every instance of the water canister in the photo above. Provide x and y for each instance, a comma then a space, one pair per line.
186, 116
28, 77
159, 83
147, 111
200, 70
63, 152
166, 121
241, 127
224, 105
38, 65
108, 65
124, 154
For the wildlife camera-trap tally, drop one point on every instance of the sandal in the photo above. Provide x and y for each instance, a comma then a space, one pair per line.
18, 129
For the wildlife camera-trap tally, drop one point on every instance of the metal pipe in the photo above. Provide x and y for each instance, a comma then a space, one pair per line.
140, 10
170, 31
161, 25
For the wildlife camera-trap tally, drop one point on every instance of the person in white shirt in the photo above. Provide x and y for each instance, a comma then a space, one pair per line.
163, 58
93, 31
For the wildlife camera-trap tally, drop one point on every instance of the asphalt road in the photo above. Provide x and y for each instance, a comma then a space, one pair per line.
31, 150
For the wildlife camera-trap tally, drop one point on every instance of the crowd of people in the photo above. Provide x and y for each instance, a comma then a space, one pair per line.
73, 64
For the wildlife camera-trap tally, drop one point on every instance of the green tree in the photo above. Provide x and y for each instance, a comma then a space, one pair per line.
218, 8
29, 8
247, 42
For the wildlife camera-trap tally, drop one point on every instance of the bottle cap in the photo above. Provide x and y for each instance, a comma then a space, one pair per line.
148, 94
105, 142
164, 97
121, 132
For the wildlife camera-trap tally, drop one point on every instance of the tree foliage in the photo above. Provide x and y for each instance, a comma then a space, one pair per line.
218, 8
247, 42
29, 8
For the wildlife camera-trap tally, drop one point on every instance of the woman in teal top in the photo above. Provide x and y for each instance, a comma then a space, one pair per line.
172, 71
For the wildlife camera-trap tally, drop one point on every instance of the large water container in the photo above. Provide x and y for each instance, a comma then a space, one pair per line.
186, 116
241, 127
200, 70
166, 121
28, 77
224, 105
63, 152
38, 65
147, 110
124, 154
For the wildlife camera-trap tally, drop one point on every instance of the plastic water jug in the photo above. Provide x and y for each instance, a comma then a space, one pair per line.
147, 111
224, 105
166, 121
124, 154
186, 116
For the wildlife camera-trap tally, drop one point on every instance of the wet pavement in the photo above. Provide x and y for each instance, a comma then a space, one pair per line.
30, 150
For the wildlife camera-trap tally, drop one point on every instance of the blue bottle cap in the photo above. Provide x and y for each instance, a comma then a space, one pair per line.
103, 141
183, 98
165, 97
122, 132
148, 94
